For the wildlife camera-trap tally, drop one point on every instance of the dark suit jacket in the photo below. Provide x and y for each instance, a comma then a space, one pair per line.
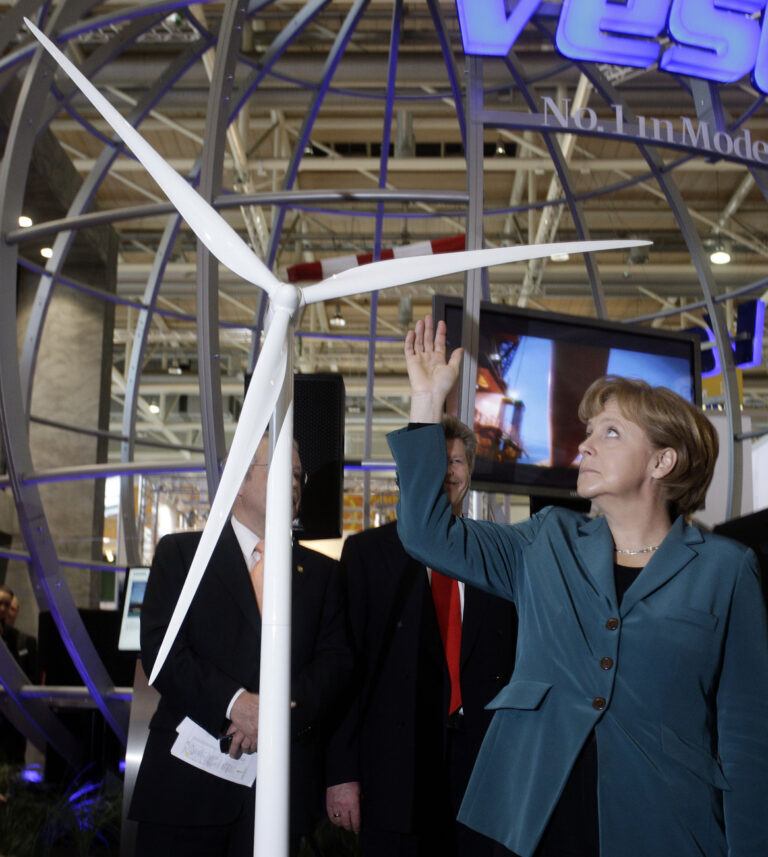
26, 655
10, 637
216, 653
673, 681
391, 616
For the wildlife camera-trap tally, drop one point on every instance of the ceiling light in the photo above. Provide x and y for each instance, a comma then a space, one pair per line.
718, 249
337, 320
25, 221
637, 255
500, 148
154, 409
46, 252
560, 257
174, 368
720, 254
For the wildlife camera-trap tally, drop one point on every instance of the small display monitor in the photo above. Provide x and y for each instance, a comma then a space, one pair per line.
130, 623
532, 371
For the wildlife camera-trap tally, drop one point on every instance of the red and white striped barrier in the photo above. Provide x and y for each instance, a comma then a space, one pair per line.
316, 271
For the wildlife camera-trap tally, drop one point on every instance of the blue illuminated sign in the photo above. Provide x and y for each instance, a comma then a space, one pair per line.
719, 40
710, 359
492, 29
601, 31
747, 344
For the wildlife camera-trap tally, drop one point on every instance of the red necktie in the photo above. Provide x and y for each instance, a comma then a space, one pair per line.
445, 593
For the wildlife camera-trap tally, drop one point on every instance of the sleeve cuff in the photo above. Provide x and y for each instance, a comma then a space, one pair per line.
233, 701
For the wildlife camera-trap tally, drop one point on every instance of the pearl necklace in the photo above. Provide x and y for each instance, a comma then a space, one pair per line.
649, 549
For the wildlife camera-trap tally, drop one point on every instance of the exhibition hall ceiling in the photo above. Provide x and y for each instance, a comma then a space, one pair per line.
426, 177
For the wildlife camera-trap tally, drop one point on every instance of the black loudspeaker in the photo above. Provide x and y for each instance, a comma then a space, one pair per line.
5, 542
101, 748
318, 426
319, 431
103, 627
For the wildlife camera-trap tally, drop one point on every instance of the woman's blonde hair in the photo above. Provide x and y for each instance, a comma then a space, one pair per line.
669, 421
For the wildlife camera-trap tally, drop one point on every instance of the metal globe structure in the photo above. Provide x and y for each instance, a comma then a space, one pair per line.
242, 59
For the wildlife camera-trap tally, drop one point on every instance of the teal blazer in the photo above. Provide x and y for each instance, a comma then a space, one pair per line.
674, 683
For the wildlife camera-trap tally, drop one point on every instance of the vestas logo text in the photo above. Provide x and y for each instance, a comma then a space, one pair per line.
718, 40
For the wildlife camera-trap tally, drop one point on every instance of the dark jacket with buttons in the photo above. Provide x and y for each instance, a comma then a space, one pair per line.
216, 652
674, 682
399, 653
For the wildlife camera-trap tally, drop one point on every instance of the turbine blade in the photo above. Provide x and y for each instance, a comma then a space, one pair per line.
260, 401
411, 269
209, 226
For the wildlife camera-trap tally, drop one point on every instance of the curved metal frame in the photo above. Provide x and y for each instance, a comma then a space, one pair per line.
83, 199
49, 585
708, 288
211, 162
329, 67
36, 101
386, 136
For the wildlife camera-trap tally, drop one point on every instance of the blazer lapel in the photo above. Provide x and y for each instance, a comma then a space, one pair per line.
676, 551
406, 581
471, 622
405, 574
594, 547
300, 580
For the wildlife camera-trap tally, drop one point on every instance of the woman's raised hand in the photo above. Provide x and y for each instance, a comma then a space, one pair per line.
431, 376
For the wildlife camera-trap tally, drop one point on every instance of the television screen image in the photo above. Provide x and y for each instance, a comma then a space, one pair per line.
130, 625
532, 371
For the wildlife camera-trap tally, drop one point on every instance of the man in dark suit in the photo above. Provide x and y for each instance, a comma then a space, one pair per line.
399, 764
6, 630
212, 676
12, 742
26, 644
23, 647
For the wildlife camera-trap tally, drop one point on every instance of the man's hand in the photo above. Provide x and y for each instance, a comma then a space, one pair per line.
343, 805
240, 743
431, 377
245, 719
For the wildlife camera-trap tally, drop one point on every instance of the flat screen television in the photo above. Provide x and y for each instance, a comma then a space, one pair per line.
532, 371
130, 622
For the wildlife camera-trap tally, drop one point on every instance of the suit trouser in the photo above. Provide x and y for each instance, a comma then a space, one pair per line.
225, 840
436, 830
461, 760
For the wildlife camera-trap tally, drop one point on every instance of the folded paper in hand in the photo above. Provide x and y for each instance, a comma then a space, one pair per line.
199, 748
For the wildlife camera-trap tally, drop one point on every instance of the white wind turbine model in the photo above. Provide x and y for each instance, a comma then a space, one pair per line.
271, 390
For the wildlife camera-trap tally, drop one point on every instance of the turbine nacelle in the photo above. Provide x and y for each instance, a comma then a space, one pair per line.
287, 298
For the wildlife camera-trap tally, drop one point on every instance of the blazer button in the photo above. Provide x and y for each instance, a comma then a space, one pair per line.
606, 663
598, 703
612, 624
